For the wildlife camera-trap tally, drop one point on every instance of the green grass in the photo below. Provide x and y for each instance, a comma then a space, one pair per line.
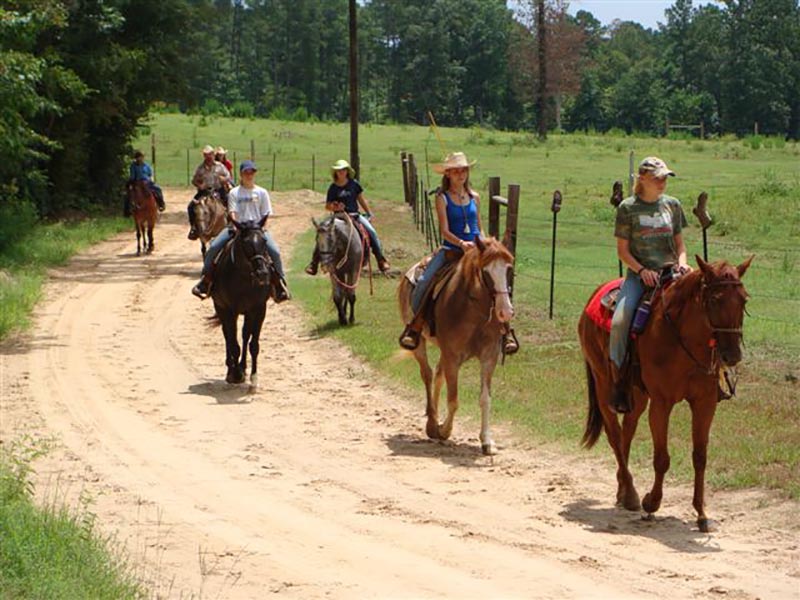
52, 551
24, 262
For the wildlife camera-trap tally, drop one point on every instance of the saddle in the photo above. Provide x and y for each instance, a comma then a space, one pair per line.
443, 276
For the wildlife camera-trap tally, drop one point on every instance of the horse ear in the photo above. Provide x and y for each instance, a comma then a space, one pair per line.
507, 239
314, 221
262, 221
704, 266
742, 268
480, 243
236, 224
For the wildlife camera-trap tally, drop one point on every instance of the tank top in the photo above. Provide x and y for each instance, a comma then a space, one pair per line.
462, 220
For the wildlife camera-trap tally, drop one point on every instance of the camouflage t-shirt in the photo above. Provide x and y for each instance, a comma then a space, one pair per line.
650, 228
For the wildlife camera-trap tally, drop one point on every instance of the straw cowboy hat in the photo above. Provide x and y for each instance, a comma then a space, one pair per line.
343, 164
221, 150
208, 149
454, 160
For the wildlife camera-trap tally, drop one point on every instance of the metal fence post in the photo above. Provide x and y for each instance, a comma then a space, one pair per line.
273, 171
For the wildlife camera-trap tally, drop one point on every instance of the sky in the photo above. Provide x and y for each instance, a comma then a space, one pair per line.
647, 12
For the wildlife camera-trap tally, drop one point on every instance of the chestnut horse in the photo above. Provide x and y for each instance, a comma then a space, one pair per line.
695, 329
209, 219
469, 315
145, 212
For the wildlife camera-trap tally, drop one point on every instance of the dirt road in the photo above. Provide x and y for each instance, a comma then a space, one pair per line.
322, 484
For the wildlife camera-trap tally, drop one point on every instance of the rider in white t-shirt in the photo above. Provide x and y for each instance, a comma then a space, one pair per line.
246, 202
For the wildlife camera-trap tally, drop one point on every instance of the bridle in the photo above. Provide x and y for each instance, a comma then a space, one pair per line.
352, 233
256, 260
489, 283
713, 341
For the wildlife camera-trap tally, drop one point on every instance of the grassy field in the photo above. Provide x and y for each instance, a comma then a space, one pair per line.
754, 186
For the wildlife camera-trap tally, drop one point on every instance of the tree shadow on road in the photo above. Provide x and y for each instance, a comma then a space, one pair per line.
680, 535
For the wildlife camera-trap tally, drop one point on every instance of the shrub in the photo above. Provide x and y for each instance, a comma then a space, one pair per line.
242, 109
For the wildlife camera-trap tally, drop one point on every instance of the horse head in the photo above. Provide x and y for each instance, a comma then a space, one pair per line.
251, 244
330, 244
495, 263
724, 298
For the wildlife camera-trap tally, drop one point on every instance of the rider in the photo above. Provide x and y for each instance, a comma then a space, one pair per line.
648, 231
346, 194
220, 155
246, 202
210, 176
458, 212
141, 171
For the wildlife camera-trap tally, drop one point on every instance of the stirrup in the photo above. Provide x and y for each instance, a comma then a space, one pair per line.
409, 339
311, 268
621, 399
510, 343
192, 234
201, 289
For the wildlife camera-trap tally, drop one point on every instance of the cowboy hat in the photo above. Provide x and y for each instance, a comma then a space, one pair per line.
343, 164
220, 150
454, 160
208, 149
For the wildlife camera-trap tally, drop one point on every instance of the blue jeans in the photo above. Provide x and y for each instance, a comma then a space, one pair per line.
374, 242
629, 296
424, 281
218, 243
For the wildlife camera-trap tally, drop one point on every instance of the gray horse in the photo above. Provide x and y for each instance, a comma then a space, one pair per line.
341, 254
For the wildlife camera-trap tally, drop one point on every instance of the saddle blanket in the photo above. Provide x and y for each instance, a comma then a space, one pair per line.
596, 310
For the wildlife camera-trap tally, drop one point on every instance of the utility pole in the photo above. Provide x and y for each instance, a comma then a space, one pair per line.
354, 160
541, 98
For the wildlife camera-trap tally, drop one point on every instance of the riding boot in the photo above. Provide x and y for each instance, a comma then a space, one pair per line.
203, 287
312, 267
410, 337
383, 264
621, 393
192, 228
160, 200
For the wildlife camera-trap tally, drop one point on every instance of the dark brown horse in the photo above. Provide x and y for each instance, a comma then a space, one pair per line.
469, 315
145, 212
209, 219
695, 329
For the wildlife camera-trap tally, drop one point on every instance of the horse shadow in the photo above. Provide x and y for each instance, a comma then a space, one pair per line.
675, 533
222, 392
453, 453
323, 330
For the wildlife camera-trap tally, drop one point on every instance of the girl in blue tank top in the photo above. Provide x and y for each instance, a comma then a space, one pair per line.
458, 212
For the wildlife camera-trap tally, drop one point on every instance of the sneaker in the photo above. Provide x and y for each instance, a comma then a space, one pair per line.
281, 293
192, 234
510, 344
311, 269
201, 289
409, 339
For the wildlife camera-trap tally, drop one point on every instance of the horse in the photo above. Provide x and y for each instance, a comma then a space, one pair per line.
145, 212
209, 219
470, 314
242, 285
695, 329
342, 255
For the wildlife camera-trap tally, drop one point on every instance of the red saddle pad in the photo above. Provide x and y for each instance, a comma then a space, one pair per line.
596, 311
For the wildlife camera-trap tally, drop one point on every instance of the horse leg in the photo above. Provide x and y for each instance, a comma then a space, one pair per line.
451, 367
660, 410
431, 407
246, 329
138, 240
627, 497
150, 244
339, 301
703, 410
232, 348
487, 370
351, 297
203, 248
257, 321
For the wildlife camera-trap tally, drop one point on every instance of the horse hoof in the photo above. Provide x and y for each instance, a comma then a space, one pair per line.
489, 449
706, 525
648, 504
649, 518
432, 430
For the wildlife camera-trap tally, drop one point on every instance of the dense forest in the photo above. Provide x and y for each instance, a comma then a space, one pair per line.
77, 76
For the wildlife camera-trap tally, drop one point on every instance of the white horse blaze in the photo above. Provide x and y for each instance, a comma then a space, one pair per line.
498, 270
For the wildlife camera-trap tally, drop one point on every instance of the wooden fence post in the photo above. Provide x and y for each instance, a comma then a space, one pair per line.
404, 166
494, 208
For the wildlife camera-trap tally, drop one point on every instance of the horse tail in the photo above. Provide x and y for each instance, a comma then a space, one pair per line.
594, 418
213, 321
404, 299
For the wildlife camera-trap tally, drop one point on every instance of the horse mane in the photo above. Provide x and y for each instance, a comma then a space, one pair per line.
474, 260
691, 284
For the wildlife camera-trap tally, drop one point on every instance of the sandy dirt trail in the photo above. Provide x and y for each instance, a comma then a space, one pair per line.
322, 484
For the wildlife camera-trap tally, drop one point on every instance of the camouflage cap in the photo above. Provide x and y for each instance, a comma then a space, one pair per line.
656, 166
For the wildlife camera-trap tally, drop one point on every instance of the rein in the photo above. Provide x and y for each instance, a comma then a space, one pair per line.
712, 342
343, 260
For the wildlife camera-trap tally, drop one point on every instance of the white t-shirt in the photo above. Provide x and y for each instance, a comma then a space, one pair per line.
249, 204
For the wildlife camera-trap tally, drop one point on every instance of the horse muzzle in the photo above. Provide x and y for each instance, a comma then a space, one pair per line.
503, 309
